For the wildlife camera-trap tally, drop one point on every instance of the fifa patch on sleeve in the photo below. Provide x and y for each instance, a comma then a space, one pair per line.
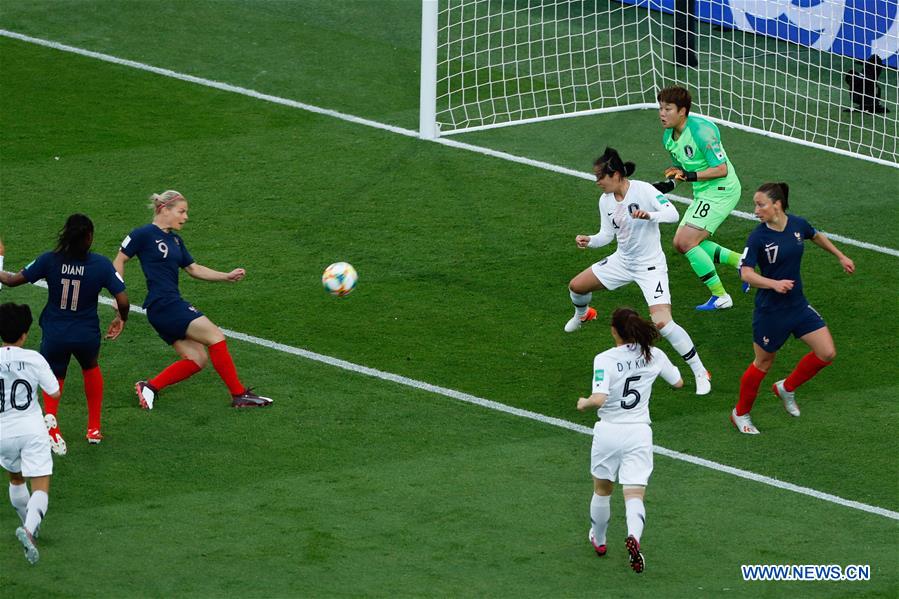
599, 375
126, 241
661, 199
119, 277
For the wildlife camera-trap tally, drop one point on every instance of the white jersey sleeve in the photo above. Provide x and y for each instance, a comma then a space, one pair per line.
606, 227
663, 211
668, 371
602, 372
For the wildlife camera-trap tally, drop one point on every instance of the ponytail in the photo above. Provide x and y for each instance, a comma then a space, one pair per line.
633, 329
610, 163
777, 192
158, 201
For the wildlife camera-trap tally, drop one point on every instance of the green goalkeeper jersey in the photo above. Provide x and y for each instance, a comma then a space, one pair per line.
698, 148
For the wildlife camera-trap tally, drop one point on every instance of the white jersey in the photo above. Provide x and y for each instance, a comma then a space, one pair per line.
639, 243
22, 373
624, 375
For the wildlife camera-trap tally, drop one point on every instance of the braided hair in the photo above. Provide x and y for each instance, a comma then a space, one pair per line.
75, 237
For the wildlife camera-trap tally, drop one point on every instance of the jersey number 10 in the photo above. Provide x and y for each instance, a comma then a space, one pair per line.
29, 392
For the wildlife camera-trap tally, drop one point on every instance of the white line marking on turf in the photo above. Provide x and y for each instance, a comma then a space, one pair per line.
369, 123
501, 407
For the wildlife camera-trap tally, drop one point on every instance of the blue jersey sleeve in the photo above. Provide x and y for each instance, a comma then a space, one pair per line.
807, 230
751, 252
186, 258
113, 282
38, 268
133, 242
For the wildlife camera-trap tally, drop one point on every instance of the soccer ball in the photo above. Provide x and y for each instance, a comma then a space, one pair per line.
339, 279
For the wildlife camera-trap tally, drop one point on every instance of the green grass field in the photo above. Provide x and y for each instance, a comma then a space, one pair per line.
354, 486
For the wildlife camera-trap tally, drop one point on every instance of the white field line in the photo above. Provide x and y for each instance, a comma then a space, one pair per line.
369, 123
501, 407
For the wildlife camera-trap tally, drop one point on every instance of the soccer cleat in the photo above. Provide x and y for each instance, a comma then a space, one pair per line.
787, 397
94, 436
716, 303
599, 549
57, 443
248, 399
575, 322
743, 423
27, 542
633, 549
146, 394
703, 383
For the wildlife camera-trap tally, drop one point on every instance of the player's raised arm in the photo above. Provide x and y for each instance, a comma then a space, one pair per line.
204, 273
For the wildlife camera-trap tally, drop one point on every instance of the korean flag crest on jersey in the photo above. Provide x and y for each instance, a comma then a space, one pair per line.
688, 150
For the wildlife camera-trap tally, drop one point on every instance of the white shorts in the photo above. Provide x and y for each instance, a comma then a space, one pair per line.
622, 453
28, 454
653, 280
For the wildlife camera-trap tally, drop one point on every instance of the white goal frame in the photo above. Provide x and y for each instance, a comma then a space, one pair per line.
430, 129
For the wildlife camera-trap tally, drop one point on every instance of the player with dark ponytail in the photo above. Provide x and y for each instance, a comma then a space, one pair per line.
622, 439
781, 309
75, 277
630, 212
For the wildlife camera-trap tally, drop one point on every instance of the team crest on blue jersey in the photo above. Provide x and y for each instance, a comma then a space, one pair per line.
688, 150
765, 340
798, 236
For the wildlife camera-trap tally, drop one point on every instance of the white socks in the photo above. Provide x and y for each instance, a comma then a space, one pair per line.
600, 510
682, 344
18, 497
581, 302
636, 517
37, 507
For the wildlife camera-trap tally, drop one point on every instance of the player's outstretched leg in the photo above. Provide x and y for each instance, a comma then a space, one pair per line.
93, 392
27, 541
788, 398
638, 562
682, 343
582, 311
57, 443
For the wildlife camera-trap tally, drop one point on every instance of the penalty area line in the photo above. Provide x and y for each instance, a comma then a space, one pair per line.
227, 87
521, 413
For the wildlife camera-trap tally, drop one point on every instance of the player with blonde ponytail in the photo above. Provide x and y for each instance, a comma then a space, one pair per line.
162, 255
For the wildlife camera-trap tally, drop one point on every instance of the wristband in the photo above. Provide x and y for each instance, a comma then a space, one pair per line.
690, 176
666, 186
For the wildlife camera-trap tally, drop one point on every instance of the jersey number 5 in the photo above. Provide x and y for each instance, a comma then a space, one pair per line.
625, 405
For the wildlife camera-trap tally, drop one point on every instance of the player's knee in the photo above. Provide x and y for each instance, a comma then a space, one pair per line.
16, 478
201, 360
827, 356
660, 320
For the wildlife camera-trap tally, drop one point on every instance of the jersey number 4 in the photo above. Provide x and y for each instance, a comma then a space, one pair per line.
629, 405
29, 393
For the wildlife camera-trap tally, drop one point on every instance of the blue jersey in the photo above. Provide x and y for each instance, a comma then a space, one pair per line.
161, 256
778, 255
71, 310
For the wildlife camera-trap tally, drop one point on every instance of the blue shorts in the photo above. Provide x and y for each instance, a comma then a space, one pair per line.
58, 352
171, 318
772, 328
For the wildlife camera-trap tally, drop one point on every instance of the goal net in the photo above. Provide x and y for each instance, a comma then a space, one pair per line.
817, 72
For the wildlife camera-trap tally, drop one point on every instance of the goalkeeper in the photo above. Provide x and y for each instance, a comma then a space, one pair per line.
695, 147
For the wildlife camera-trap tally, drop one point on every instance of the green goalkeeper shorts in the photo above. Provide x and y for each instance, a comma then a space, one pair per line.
711, 207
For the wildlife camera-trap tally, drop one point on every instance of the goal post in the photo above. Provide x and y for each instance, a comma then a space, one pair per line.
821, 73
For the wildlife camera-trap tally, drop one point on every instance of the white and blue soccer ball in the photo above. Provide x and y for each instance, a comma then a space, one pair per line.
340, 279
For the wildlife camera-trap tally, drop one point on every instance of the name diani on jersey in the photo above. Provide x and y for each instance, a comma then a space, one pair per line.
71, 269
